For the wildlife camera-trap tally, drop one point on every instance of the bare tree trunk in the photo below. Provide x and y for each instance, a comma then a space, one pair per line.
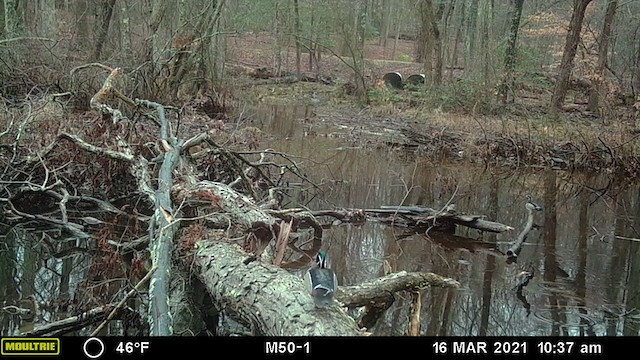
220, 44
430, 43
597, 90
386, 24
125, 33
470, 48
510, 53
636, 81
395, 42
297, 35
106, 10
421, 44
48, 16
445, 30
358, 56
13, 21
437, 41
82, 25
158, 9
424, 42
312, 40
458, 39
277, 47
487, 17
570, 47
8, 279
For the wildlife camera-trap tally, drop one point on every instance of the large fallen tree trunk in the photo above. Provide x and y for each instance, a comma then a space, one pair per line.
274, 302
269, 299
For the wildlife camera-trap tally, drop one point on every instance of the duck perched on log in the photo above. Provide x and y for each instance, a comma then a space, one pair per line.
530, 205
523, 277
321, 281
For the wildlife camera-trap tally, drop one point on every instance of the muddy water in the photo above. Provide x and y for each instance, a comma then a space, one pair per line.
585, 260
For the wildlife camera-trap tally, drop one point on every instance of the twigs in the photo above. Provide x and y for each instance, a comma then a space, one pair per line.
120, 305
95, 149
73, 228
71, 323
23, 38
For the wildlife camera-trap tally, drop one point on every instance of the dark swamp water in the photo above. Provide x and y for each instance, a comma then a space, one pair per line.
584, 255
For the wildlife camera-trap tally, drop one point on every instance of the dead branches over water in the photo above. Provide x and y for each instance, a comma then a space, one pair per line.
108, 197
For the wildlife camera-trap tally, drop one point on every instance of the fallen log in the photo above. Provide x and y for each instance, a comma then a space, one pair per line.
416, 216
365, 293
290, 80
377, 295
514, 250
274, 302
410, 216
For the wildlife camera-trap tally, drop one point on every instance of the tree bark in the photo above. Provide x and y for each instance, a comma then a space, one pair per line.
458, 37
636, 81
273, 301
13, 21
446, 18
269, 299
597, 89
511, 51
297, 36
397, 37
106, 10
434, 44
358, 53
386, 25
125, 33
470, 48
570, 47
312, 37
48, 17
82, 28
158, 9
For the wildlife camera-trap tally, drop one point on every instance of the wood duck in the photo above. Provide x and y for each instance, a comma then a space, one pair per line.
531, 205
522, 278
321, 281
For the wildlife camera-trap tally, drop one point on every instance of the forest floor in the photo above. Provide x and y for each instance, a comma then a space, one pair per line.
459, 120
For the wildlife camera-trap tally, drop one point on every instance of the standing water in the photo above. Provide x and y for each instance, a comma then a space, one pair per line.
583, 251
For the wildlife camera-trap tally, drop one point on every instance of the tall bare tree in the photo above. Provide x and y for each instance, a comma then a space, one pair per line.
13, 19
81, 14
510, 52
106, 11
596, 91
570, 47
48, 23
430, 44
636, 79
386, 24
158, 9
458, 37
297, 34
125, 30
358, 50
470, 54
